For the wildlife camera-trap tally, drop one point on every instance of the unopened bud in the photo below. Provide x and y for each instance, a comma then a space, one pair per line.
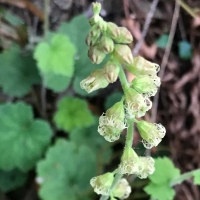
96, 8
95, 81
111, 71
146, 84
112, 123
136, 104
93, 36
129, 162
141, 66
123, 54
102, 184
122, 190
113, 30
96, 56
151, 134
124, 36
106, 44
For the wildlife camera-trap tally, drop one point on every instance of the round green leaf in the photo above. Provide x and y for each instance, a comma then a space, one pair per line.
23, 140
56, 57
66, 171
72, 113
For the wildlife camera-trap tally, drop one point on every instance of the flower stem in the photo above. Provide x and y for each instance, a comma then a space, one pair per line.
130, 131
123, 80
183, 177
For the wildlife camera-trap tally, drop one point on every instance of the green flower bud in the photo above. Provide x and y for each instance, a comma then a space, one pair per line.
136, 104
123, 54
96, 56
129, 162
151, 134
93, 36
141, 66
122, 190
147, 85
96, 8
102, 183
113, 30
112, 123
124, 36
95, 81
145, 167
111, 71
106, 44
102, 25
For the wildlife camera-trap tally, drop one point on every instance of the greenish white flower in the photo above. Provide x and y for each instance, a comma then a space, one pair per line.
95, 54
106, 44
124, 36
136, 104
102, 184
151, 133
112, 123
94, 81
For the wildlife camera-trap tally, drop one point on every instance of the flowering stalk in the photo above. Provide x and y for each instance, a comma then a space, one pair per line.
107, 38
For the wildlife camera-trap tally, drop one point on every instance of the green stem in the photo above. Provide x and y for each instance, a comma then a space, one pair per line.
123, 80
183, 177
130, 131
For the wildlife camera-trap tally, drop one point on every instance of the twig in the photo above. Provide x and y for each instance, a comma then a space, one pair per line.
164, 62
146, 26
46, 29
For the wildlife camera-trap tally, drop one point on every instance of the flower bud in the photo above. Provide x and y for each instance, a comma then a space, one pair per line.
113, 30
93, 36
102, 25
124, 36
147, 85
96, 56
145, 167
106, 44
95, 81
151, 134
122, 190
129, 162
136, 104
123, 54
102, 183
111, 71
112, 123
141, 66
96, 8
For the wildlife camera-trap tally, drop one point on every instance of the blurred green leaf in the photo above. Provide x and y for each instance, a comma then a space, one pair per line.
57, 56
65, 172
185, 50
11, 180
159, 187
18, 72
72, 113
112, 99
162, 41
23, 139
197, 177
57, 83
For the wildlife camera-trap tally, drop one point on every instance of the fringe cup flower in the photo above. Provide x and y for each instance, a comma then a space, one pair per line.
102, 183
147, 85
95, 54
122, 190
129, 162
106, 44
112, 123
141, 66
151, 134
124, 36
145, 167
94, 81
136, 104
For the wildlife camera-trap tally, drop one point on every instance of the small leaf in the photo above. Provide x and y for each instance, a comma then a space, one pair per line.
11, 180
165, 171
162, 41
65, 172
185, 50
23, 140
18, 72
56, 57
160, 192
112, 99
57, 83
197, 177
72, 113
